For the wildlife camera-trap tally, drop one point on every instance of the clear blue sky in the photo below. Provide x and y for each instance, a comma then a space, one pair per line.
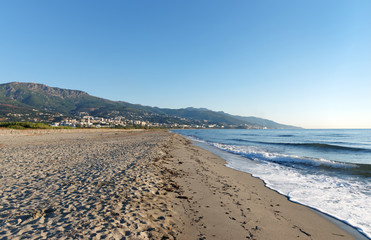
305, 63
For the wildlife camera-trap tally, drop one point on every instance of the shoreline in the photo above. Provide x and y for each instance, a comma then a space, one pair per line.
270, 215
340, 223
129, 184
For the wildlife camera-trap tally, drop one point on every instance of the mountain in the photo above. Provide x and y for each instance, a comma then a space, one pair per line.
50, 103
53, 99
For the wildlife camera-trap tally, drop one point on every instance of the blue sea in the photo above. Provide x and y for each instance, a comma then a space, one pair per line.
328, 170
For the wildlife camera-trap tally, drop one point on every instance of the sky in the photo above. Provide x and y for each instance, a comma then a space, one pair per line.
303, 63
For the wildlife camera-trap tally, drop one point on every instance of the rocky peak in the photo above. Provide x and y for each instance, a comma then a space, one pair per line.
14, 87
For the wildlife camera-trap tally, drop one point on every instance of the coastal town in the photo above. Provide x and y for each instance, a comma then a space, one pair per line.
120, 121
139, 121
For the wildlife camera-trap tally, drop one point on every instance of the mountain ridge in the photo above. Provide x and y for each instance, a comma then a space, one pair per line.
40, 97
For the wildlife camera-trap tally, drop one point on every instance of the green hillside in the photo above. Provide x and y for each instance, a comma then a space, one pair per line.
16, 97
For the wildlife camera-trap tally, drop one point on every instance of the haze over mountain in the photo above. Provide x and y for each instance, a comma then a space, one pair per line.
17, 97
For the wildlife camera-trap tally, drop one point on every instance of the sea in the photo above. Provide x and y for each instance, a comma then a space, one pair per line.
327, 170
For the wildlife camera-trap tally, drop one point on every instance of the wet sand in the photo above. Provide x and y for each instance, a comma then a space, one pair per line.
117, 184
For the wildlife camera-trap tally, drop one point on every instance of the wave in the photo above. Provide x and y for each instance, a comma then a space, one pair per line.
260, 155
321, 146
328, 146
286, 135
195, 139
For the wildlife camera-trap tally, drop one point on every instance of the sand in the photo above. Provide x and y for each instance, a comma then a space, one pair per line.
117, 184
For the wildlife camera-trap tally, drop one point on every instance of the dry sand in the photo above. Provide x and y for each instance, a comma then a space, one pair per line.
111, 184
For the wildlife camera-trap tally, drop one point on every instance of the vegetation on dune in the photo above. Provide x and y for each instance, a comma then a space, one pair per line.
26, 125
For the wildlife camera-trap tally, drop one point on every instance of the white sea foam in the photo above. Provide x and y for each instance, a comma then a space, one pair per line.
347, 199
195, 139
259, 154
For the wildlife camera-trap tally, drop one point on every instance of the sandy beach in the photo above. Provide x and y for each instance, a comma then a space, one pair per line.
118, 184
